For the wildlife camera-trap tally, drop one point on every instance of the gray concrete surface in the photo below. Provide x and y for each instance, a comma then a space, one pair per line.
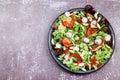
24, 27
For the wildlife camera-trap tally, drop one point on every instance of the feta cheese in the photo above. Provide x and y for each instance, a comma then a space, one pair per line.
66, 57
86, 40
108, 37
94, 22
69, 34
67, 14
84, 20
81, 64
98, 41
58, 45
76, 48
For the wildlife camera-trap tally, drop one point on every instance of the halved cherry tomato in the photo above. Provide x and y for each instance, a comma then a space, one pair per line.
79, 21
89, 15
94, 30
66, 42
68, 23
77, 56
93, 61
90, 31
73, 17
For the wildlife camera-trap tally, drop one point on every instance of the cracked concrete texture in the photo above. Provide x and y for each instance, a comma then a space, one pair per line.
24, 27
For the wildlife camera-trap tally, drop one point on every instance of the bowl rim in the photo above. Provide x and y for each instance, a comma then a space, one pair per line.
52, 52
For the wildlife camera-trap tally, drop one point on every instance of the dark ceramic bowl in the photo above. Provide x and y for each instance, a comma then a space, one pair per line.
53, 53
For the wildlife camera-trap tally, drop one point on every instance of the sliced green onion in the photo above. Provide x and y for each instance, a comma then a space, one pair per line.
99, 18
98, 25
96, 15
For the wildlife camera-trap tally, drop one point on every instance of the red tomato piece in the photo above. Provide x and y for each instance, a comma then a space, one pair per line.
66, 42
93, 60
79, 21
68, 23
73, 17
94, 30
77, 56
88, 31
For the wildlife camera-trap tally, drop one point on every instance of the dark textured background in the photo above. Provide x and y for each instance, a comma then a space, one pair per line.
24, 27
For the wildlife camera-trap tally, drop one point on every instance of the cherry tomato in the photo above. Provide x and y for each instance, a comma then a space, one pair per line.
68, 23
66, 42
94, 30
88, 32
77, 56
79, 21
73, 17
93, 60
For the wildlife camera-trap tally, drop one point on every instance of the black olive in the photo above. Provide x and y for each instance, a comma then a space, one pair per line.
88, 8
105, 29
109, 43
104, 21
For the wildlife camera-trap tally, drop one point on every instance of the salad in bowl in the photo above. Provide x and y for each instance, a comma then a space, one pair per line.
81, 40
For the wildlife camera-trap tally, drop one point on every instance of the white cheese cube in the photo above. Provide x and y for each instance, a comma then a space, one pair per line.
86, 40
69, 34
108, 38
98, 41
58, 45
94, 22
66, 57
67, 14
84, 20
